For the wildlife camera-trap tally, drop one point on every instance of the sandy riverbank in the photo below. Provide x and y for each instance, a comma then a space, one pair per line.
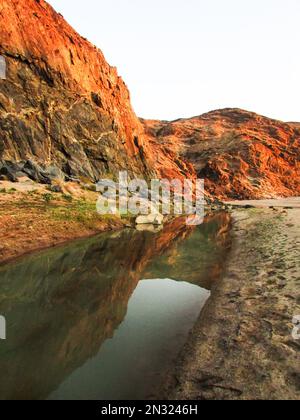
242, 346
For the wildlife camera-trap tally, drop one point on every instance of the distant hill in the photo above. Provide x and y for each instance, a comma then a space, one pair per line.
240, 154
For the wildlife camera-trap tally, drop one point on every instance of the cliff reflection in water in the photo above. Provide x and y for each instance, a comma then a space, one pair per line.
61, 305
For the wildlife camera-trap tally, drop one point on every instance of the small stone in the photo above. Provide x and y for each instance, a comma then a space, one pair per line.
56, 188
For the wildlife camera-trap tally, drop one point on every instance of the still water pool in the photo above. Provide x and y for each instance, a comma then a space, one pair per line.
105, 318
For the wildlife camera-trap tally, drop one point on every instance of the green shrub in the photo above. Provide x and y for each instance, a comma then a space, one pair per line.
47, 197
67, 197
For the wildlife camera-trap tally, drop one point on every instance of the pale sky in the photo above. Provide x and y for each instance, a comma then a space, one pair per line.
181, 58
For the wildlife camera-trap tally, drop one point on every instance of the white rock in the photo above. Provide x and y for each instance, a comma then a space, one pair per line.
151, 219
149, 228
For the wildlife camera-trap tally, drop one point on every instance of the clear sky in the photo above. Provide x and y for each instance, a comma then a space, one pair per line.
181, 58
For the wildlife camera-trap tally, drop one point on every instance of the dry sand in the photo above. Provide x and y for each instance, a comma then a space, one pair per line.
293, 202
242, 346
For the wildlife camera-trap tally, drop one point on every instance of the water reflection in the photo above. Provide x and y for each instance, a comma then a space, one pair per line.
62, 305
132, 364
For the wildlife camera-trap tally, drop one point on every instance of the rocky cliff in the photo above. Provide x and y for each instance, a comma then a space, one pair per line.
61, 104
65, 113
240, 154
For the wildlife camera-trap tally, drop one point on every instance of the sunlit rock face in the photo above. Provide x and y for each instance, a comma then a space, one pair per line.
63, 106
61, 102
240, 154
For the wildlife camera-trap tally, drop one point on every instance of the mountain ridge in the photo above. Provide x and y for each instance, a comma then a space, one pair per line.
65, 112
240, 154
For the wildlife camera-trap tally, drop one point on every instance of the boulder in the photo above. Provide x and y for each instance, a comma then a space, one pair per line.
9, 171
43, 175
151, 219
54, 173
149, 228
56, 188
35, 172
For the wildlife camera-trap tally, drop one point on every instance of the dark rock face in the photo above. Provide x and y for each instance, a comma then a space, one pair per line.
61, 104
45, 175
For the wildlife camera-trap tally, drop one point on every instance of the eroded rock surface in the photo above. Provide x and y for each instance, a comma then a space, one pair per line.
61, 103
63, 107
240, 154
